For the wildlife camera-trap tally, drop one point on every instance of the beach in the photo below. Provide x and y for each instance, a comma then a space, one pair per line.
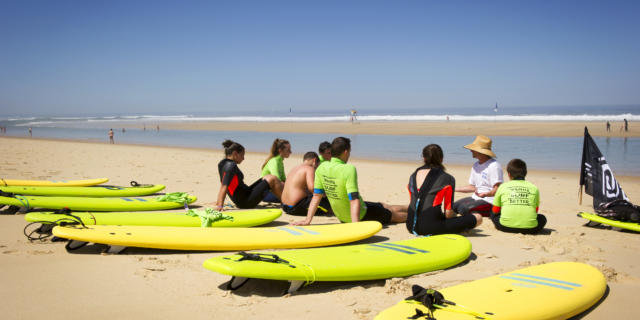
420, 128
41, 278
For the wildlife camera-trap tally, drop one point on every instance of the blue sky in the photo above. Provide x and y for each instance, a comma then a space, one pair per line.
83, 57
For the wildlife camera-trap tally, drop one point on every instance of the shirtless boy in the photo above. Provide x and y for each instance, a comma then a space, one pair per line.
298, 190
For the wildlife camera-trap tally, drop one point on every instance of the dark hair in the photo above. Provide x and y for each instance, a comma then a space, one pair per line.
310, 155
432, 156
324, 146
517, 169
339, 145
277, 145
231, 146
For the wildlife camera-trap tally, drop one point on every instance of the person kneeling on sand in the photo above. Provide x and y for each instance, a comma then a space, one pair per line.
516, 203
339, 181
232, 180
431, 188
484, 180
298, 190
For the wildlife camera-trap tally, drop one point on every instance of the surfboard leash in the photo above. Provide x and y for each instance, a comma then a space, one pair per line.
136, 184
274, 258
433, 299
44, 231
23, 200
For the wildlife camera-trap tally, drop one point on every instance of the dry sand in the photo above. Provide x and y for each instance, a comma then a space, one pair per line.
40, 279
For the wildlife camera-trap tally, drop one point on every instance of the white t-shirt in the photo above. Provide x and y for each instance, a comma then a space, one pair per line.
484, 177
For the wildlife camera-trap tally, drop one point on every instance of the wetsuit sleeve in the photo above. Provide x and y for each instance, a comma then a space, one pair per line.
445, 194
449, 202
229, 171
351, 183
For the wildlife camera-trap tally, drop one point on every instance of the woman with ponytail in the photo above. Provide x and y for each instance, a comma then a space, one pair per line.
232, 180
274, 165
431, 188
280, 150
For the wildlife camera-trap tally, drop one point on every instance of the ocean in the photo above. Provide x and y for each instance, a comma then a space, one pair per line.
549, 153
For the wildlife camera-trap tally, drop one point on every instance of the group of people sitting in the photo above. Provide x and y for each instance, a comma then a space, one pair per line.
327, 184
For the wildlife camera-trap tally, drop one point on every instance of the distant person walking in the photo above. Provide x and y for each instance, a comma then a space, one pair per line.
626, 125
353, 115
608, 126
158, 127
111, 136
30, 132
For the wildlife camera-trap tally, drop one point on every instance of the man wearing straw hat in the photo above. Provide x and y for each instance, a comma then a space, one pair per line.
485, 177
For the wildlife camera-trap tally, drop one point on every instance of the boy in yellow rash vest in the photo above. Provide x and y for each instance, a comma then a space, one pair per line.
516, 203
339, 181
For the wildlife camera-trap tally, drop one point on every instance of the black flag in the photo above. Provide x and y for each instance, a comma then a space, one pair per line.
596, 176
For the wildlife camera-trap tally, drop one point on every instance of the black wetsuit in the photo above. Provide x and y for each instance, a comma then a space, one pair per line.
301, 208
425, 216
244, 196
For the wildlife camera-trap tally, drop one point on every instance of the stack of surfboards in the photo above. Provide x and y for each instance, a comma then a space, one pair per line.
83, 195
560, 290
163, 230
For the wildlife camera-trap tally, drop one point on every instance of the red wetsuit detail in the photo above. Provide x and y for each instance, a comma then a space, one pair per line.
445, 194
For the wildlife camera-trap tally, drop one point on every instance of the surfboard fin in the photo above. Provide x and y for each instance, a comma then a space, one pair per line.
295, 285
115, 249
236, 282
74, 245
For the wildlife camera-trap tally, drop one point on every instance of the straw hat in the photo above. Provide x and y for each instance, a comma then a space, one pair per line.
482, 144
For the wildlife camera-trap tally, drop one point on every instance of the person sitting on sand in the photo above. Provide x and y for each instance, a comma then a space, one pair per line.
484, 180
298, 190
430, 188
274, 164
516, 203
232, 180
325, 151
339, 181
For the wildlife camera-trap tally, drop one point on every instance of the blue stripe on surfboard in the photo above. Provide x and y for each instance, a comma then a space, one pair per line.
392, 248
537, 282
307, 230
548, 279
141, 199
405, 247
126, 199
293, 232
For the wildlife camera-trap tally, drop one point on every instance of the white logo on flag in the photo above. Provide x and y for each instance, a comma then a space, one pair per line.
610, 186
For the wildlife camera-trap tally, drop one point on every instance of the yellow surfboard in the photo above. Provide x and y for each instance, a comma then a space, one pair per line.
214, 239
634, 226
241, 218
346, 263
558, 290
53, 183
93, 204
